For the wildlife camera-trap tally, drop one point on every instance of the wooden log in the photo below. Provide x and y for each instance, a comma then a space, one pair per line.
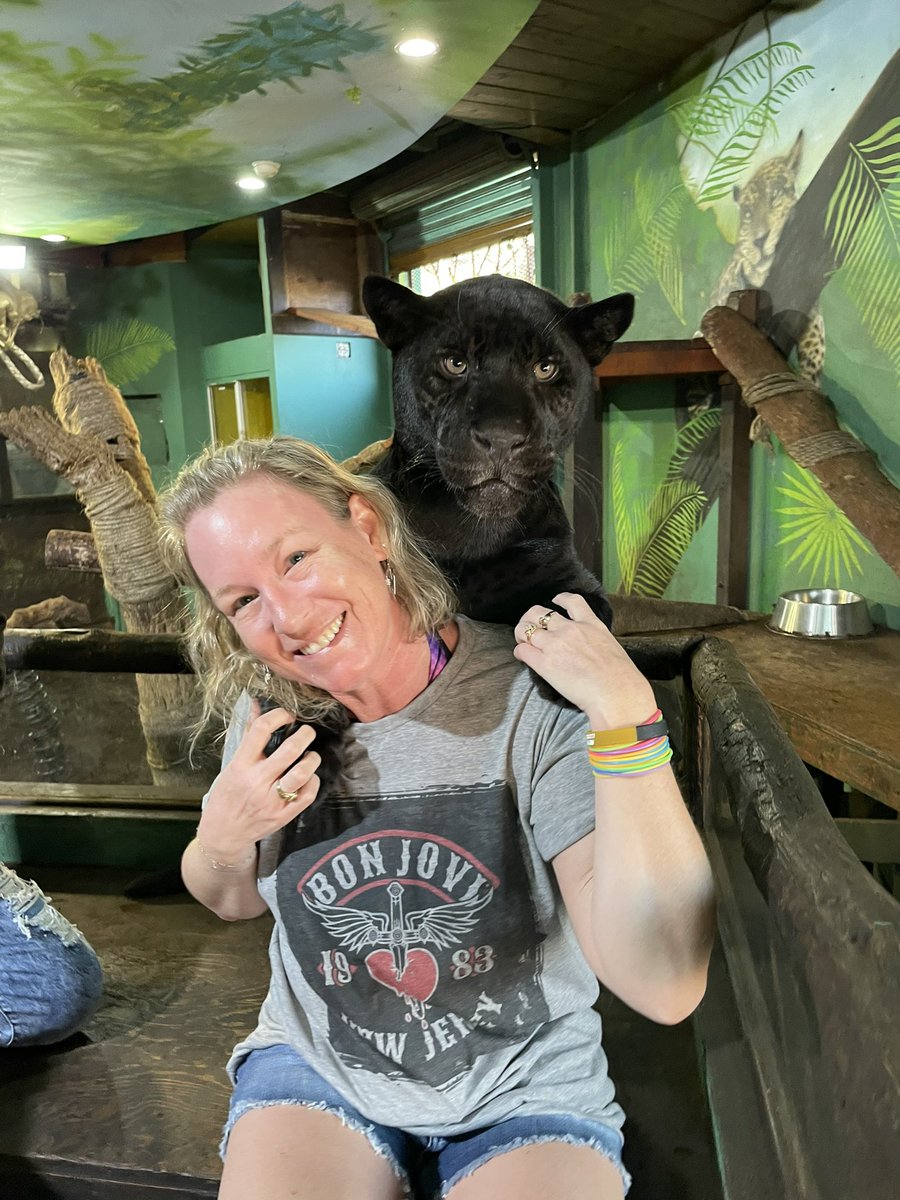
57, 612
837, 928
852, 479
71, 550
94, 650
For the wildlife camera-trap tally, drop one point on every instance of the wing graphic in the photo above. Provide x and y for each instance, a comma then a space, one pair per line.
353, 927
443, 924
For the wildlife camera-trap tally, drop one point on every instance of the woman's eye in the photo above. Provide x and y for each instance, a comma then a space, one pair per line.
454, 365
545, 370
298, 556
242, 602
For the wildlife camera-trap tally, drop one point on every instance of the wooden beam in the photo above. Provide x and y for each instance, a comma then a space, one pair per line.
349, 322
94, 650
872, 840
658, 360
22, 796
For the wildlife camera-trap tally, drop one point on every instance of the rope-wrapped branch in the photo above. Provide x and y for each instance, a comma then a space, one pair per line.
807, 427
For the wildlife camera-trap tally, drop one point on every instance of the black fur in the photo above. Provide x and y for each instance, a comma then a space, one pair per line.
491, 380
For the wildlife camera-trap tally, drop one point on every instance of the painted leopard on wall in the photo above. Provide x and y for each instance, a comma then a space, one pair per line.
764, 204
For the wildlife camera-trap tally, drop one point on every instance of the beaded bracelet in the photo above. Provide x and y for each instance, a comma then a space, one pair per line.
223, 866
634, 750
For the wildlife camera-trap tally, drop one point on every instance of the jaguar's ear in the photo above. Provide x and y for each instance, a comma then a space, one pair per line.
398, 313
596, 326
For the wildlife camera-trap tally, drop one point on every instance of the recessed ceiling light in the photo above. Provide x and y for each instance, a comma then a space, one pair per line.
54, 237
251, 183
417, 47
12, 256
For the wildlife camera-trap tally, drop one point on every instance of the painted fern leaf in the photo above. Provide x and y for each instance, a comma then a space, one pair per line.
825, 541
623, 521
729, 119
752, 123
127, 349
689, 437
642, 245
863, 223
663, 531
713, 111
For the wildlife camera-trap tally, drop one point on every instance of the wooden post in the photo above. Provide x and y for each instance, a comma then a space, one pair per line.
587, 495
71, 550
732, 565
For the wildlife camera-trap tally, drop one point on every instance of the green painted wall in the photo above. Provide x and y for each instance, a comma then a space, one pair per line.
213, 297
339, 403
649, 204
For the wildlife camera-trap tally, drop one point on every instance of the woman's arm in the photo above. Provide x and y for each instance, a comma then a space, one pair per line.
243, 806
639, 889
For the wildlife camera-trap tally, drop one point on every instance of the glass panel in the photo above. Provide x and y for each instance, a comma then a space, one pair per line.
257, 408
513, 256
224, 405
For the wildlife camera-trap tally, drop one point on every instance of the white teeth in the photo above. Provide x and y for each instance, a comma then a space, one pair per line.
327, 637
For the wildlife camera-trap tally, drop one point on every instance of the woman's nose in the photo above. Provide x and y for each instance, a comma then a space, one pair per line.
284, 613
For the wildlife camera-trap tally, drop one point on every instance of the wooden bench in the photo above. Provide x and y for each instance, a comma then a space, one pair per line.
134, 1108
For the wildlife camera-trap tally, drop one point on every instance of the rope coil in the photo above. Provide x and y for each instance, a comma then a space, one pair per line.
776, 385
818, 446
37, 379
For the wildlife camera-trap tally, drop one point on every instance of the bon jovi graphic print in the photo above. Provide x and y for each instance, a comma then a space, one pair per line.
422, 944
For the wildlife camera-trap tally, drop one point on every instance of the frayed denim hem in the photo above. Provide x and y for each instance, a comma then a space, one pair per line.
382, 1149
518, 1143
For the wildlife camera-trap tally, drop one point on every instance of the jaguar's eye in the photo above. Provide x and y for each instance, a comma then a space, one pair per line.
454, 365
545, 370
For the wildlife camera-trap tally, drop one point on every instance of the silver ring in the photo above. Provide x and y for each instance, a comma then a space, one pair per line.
287, 797
545, 619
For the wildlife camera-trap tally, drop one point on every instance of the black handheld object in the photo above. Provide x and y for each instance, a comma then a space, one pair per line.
266, 704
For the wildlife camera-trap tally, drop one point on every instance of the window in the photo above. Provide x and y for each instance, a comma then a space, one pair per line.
240, 408
512, 255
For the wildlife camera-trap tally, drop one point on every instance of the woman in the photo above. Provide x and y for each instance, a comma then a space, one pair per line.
50, 978
442, 916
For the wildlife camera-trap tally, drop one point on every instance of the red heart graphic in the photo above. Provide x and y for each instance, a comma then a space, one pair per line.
419, 977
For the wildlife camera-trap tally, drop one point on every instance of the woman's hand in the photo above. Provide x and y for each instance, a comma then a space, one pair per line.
580, 658
244, 804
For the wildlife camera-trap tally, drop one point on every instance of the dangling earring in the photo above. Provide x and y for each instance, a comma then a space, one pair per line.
267, 676
389, 577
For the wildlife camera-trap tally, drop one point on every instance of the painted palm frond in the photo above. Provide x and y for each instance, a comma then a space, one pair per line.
641, 243
662, 531
825, 542
863, 223
623, 523
729, 119
127, 349
626, 258
689, 438
712, 112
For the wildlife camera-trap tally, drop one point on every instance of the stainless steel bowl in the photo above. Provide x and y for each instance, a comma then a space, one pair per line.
821, 613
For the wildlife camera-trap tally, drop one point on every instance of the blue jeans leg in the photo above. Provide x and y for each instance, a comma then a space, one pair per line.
50, 978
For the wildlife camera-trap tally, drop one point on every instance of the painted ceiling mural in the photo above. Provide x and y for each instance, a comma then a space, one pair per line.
132, 119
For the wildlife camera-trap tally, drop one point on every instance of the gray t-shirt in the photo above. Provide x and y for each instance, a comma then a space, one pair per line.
422, 959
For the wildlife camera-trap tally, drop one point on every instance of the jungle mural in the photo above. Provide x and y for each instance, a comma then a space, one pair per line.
128, 120
771, 164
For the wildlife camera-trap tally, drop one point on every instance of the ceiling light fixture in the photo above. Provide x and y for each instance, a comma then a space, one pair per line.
264, 169
12, 256
417, 47
54, 237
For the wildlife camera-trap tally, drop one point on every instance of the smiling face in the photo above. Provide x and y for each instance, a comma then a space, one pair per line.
305, 592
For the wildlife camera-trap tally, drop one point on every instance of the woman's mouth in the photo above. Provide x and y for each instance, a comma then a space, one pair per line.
325, 638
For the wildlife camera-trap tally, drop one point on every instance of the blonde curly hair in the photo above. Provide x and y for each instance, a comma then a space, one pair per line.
225, 668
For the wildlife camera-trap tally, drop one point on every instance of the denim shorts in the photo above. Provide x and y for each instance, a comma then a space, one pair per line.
428, 1166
